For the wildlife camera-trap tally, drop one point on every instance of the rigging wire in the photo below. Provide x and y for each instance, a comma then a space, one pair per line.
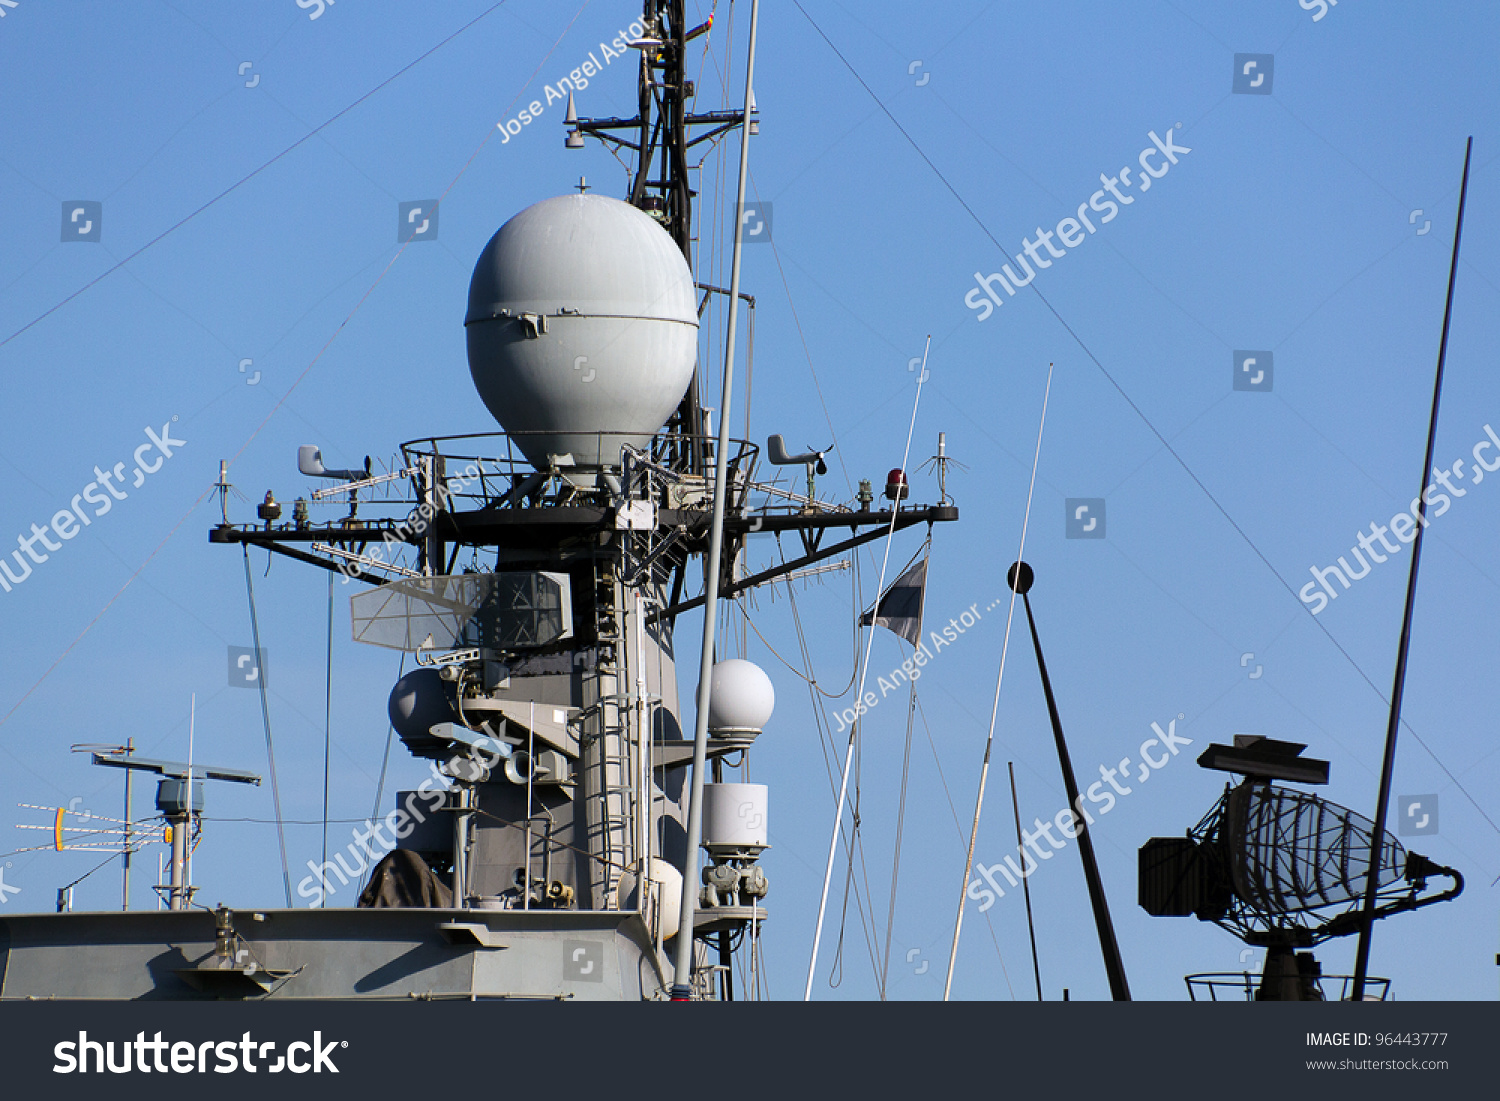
872, 939
1015, 804
259, 428
106, 862
825, 745
390, 736
776, 255
265, 717
748, 623
890, 920
959, 830
256, 172
984, 769
811, 680
327, 720
866, 925
110, 603
807, 352
1162, 439
882, 970
864, 672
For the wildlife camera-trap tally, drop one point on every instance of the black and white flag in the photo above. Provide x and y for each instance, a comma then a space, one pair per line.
900, 609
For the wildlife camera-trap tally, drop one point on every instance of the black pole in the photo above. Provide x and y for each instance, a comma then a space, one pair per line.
1015, 806
1020, 578
1388, 764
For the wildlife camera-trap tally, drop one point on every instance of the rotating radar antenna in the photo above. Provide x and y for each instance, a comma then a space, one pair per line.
1282, 869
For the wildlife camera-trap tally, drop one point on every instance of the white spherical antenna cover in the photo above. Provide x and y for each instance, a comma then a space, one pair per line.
740, 699
664, 903
582, 328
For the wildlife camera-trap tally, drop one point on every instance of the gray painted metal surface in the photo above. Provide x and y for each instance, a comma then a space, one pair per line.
339, 954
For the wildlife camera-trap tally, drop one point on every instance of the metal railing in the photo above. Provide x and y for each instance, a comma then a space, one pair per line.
1241, 986
488, 468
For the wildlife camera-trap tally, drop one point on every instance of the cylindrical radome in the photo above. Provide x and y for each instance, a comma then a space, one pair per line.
735, 815
582, 329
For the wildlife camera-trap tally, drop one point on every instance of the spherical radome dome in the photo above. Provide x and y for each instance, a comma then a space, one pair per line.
419, 701
582, 328
741, 698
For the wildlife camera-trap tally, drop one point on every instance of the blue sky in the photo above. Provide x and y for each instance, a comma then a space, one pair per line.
1314, 222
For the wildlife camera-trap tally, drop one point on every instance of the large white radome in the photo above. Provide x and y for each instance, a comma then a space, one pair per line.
621, 328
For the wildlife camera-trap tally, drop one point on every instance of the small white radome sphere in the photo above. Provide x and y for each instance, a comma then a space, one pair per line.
613, 334
740, 699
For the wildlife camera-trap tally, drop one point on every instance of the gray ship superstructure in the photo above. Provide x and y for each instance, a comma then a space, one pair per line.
547, 854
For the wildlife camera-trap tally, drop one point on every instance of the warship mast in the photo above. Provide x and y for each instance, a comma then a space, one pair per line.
546, 685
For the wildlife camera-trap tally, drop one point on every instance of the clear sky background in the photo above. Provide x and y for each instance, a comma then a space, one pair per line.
1314, 222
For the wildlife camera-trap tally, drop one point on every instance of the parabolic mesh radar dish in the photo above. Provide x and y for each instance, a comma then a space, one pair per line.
1291, 851
1272, 861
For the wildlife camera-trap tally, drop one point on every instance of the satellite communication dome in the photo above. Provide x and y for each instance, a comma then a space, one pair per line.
582, 329
419, 701
740, 699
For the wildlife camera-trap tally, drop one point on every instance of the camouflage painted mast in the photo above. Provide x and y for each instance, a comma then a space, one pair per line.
545, 695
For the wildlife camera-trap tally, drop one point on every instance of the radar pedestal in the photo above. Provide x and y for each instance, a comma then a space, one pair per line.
179, 798
1290, 976
734, 833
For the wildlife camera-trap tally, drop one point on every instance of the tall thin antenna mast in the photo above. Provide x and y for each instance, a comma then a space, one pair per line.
187, 895
328, 726
1398, 687
682, 983
129, 829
